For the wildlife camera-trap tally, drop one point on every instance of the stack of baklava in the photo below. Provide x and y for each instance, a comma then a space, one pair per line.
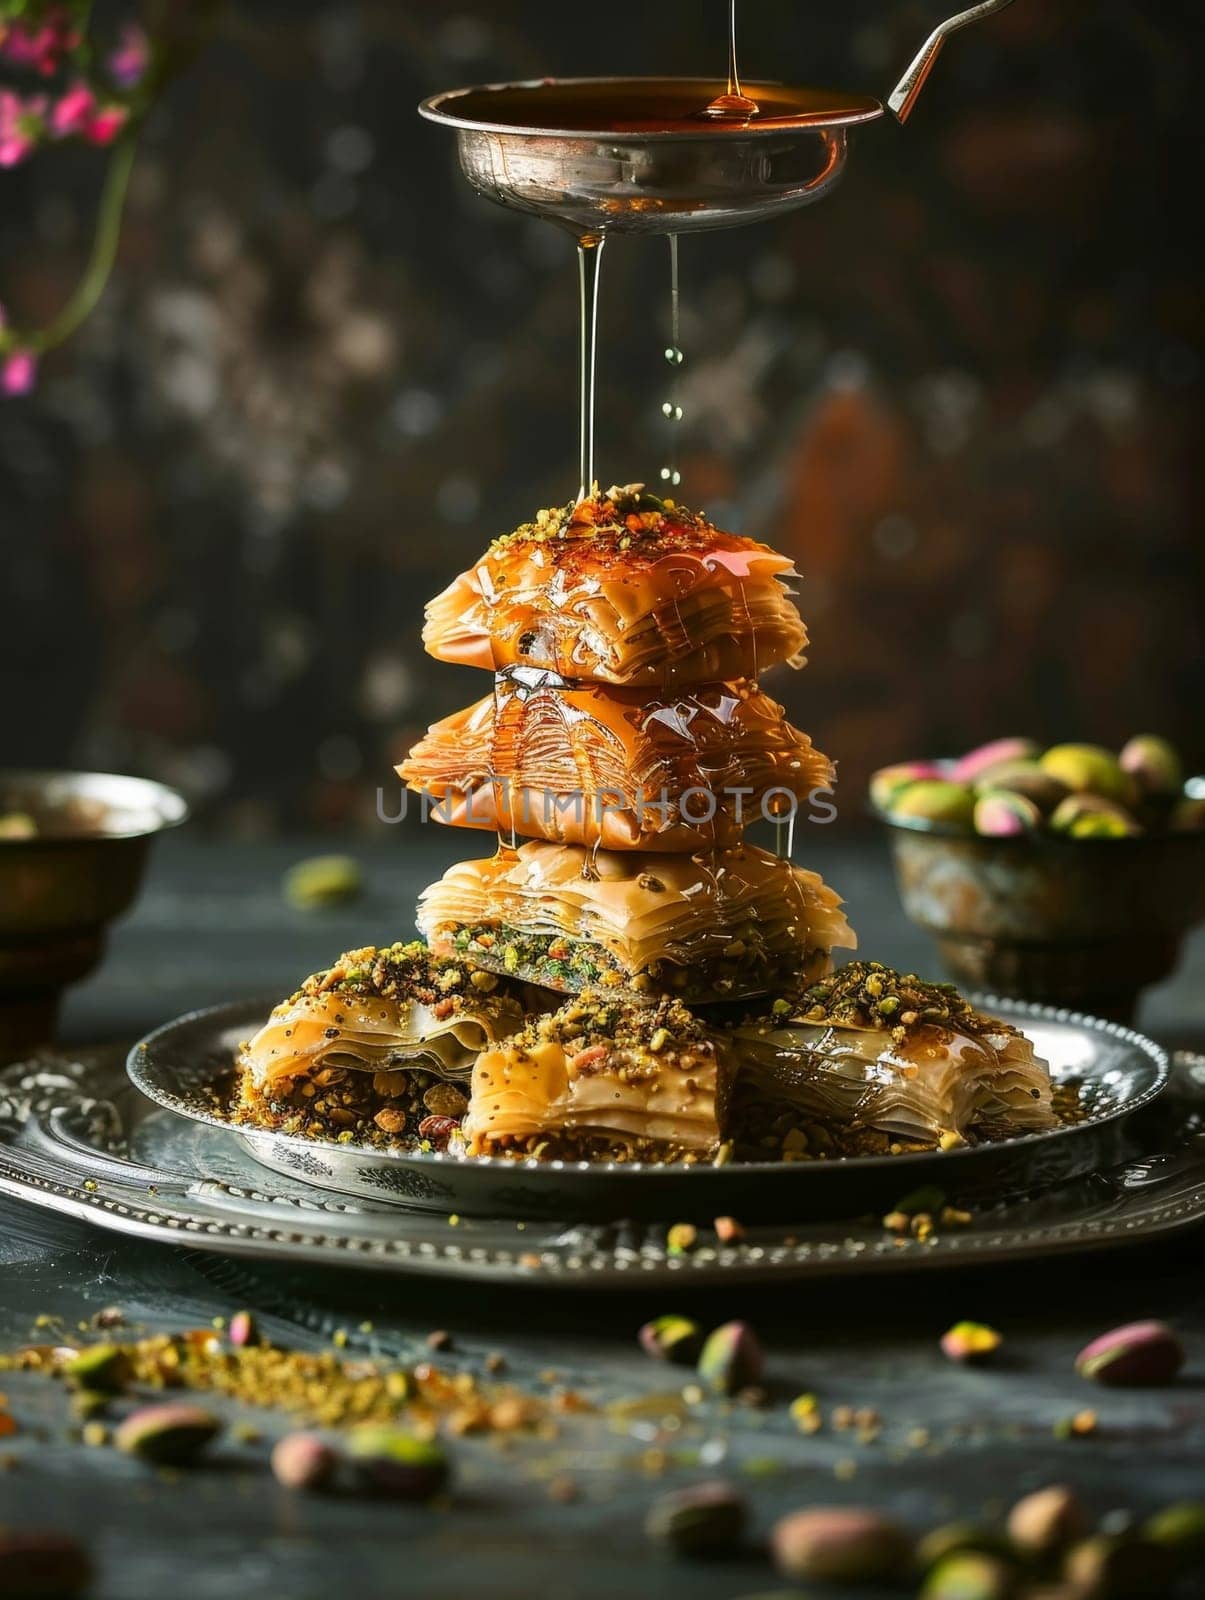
626, 971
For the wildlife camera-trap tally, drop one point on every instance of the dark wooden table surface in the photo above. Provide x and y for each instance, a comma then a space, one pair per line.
211, 926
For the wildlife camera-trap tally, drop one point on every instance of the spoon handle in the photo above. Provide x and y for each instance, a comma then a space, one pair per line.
903, 97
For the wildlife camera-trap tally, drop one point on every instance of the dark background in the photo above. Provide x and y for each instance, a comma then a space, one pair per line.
963, 392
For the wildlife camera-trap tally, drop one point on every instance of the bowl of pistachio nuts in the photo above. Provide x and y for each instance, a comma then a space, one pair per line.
1066, 875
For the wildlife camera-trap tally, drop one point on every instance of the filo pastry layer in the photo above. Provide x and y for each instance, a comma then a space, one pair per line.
716, 926
602, 1077
377, 1010
627, 596
595, 764
871, 1048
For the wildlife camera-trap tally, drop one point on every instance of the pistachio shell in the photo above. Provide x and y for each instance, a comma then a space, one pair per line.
390, 1462
887, 782
971, 767
672, 1338
731, 1358
840, 1544
1153, 764
1088, 816
1137, 1354
37, 1562
703, 1520
999, 814
1088, 769
168, 1435
1047, 1520
303, 1461
969, 1575
936, 800
1024, 777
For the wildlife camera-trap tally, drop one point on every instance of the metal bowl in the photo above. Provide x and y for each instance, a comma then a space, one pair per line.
60, 886
715, 176
187, 1067
534, 147
1085, 923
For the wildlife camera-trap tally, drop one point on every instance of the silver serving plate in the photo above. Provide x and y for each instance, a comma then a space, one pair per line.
78, 1139
186, 1067
719, 175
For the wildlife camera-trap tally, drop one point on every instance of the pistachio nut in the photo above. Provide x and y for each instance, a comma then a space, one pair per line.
243, 1329
1047, 1520
971, 767
731, 1358
705, 1519
936, 800
168, 1435
323, 881
956, 1538
1088, 816
1024, 777
969, 1575
1138, 1354
888, 782
681, 1238
1153, 764
102, 1367
390, 1462
672, 1338
1001, 814
1117, 1565
970, 1342
1180, 1530
1088, 769
840, 1544
303, 1461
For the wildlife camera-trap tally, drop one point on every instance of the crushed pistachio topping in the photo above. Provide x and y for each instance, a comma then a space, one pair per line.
630, 512
402, 971
866, 994
593, 1020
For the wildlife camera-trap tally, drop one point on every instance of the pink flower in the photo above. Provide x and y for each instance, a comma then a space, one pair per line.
18, 370
129, 61
21, 124
106, 125
77, 112
74, 111
40, 47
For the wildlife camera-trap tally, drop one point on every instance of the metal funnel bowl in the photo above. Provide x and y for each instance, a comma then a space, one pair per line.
645, 178
641, 155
